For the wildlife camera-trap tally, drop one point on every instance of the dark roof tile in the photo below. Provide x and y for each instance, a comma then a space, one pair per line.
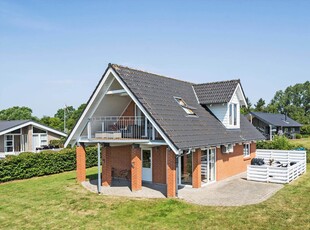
276, 119
156, 94
216, 92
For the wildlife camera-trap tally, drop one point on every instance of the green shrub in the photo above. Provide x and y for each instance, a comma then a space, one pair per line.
306, 136
27, 165
298, 136
60, 142
278, 142
305, 129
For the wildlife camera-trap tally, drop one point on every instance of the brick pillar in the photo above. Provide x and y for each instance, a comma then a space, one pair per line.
136, 168
80, 163
197, 168
106, 166
171, 174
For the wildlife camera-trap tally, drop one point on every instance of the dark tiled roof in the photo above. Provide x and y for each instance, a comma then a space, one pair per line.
4, 125
276, 119
156, 94
216, 92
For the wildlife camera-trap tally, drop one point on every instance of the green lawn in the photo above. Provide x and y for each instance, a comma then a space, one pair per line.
58, 202
303, 142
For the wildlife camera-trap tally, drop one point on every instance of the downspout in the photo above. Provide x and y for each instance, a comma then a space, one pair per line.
176, 174
99, 175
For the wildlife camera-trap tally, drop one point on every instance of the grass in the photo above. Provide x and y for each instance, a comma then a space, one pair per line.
58, 202
305, 142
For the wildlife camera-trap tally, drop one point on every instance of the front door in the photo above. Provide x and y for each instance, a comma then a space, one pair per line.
35, 142
147, 164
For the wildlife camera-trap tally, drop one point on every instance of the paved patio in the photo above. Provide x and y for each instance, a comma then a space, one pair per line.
233, 191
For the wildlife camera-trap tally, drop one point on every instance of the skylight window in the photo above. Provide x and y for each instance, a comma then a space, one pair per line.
185, 107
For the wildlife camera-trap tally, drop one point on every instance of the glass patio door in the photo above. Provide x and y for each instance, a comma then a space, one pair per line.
208, 161
211, 165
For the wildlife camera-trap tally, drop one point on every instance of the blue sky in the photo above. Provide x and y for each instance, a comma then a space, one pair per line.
53, 53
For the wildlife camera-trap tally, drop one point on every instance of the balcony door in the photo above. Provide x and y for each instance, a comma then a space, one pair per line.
146, 164
141, 121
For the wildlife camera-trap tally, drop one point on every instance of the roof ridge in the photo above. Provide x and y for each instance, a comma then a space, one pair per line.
144, 71
216, 82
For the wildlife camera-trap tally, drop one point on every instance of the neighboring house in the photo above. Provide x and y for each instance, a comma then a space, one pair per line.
270, 124
25, 136
163, 130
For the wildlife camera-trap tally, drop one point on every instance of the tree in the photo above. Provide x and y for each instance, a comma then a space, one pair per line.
53, 122
17, 113
260, 105
246, 110
294, 100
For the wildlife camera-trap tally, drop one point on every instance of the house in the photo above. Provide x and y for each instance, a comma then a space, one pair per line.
270, 124
162, 130
25, 136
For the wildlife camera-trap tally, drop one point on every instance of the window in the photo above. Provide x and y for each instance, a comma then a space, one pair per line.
17, 131
229, 148
246, 150
185, 107
230, 114
37, 130
233, 114
8, 143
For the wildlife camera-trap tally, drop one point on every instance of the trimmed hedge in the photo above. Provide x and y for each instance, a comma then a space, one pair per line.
27, 165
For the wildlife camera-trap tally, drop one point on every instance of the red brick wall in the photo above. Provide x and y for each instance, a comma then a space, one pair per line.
120, 157
106, 166
130, 110
159, 164
80, 164
136, 169
233, 163
171, 173
197, 168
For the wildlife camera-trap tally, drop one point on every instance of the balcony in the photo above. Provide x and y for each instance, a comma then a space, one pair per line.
120, 128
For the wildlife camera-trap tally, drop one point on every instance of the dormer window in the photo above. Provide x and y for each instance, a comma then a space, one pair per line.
233, 115
185, 107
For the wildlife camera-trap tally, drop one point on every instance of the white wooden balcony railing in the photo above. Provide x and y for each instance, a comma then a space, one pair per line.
120, 127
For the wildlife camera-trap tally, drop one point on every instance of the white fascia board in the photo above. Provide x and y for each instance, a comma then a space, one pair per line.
86, 110
36, 125
175, 150
241, 93
117, 91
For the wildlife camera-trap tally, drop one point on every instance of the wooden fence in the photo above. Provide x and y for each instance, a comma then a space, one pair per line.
282, 172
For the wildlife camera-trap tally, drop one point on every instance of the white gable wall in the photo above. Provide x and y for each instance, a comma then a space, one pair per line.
221, 111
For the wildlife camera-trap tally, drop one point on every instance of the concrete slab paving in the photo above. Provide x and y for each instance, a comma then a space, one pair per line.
233, 191
121, 187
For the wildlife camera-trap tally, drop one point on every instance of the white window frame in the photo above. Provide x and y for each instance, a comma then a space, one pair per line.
246, 150
185, 107
233, 115
5, 143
